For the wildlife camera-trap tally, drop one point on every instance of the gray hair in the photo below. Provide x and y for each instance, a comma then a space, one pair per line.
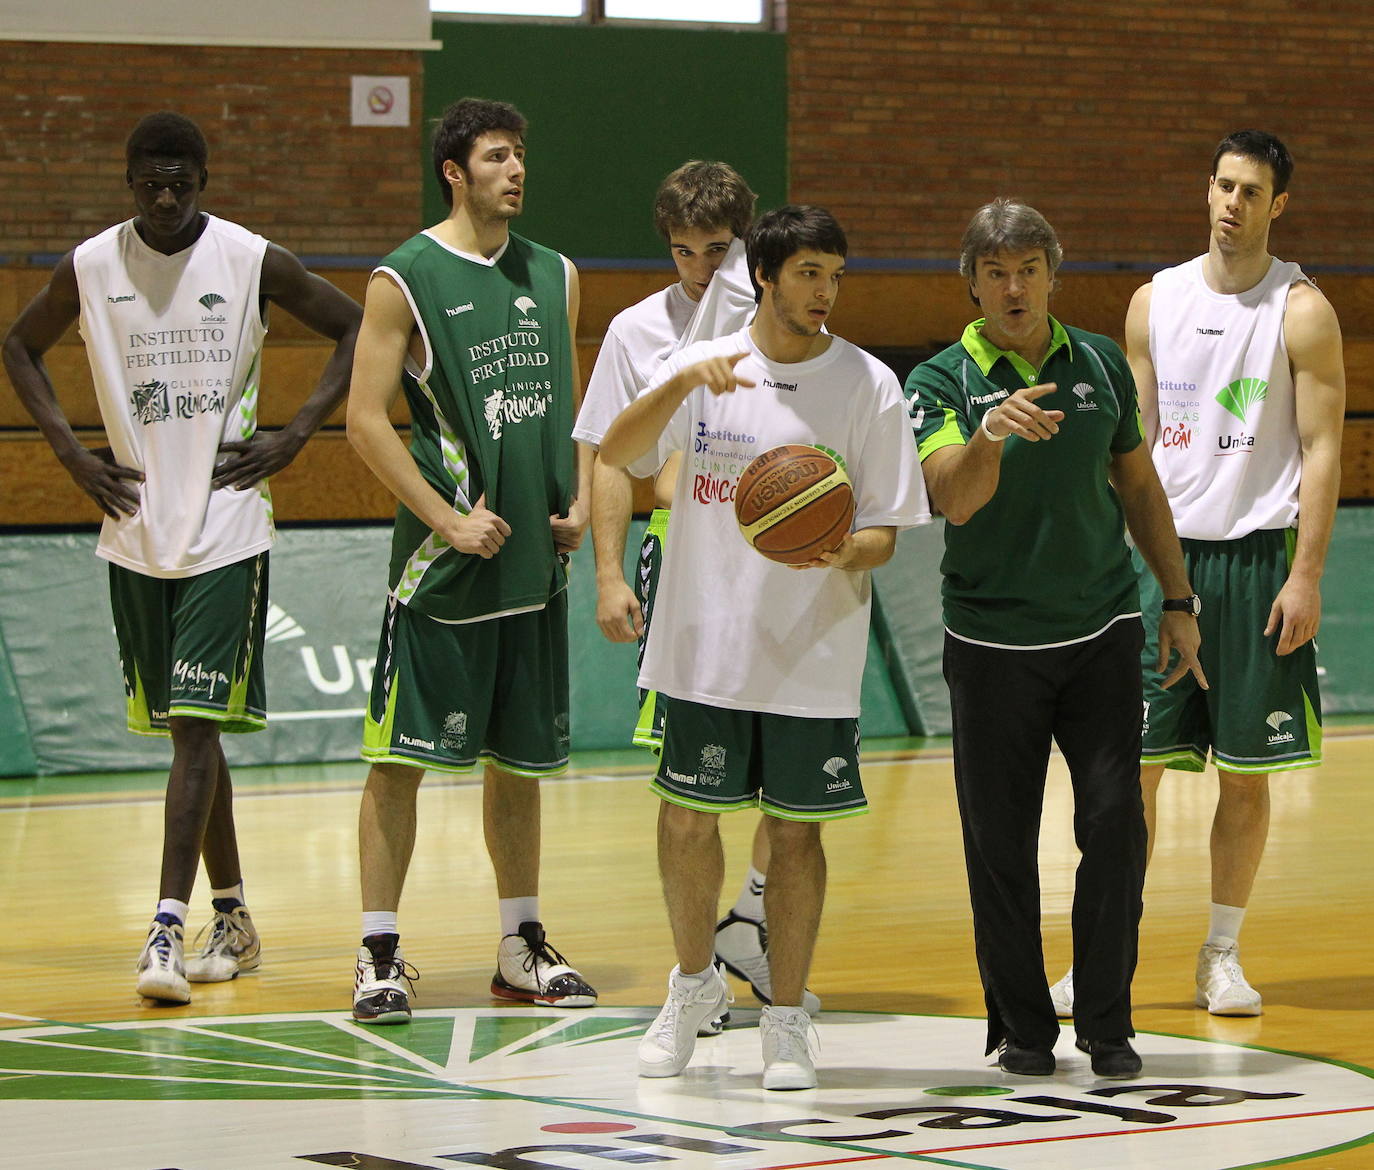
1004, 225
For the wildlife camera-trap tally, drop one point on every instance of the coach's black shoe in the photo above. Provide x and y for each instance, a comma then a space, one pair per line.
1113, 1060
1023, 1059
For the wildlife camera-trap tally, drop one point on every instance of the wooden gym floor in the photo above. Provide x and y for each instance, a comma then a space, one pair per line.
79, 859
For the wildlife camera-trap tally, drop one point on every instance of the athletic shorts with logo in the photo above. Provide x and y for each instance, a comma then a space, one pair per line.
718, 760
648, 731
446, 695
192, 646
1263, 711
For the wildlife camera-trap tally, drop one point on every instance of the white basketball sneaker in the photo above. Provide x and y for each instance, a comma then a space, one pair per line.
1061, 995
231, 948
162, 965
1221, 984
787, 1059
667, 1046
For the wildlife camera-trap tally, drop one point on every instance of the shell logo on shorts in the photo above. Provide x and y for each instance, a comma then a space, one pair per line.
541, 1089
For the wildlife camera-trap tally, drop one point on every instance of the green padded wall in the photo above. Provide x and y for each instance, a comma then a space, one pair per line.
612, 110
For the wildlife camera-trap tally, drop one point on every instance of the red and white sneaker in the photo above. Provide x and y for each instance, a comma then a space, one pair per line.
530, 970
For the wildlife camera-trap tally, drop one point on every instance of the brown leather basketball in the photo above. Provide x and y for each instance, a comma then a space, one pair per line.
794, 503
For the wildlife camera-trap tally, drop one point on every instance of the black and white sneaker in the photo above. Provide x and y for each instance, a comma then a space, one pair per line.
382, 982
742, 949
530, 970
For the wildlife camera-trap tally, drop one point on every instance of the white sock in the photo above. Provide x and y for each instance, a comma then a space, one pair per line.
235, 892
700, 977
749, 904
514, 911
177, 910
379, 922
1225, 927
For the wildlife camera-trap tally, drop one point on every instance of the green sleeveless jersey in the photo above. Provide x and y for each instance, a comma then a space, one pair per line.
491, 412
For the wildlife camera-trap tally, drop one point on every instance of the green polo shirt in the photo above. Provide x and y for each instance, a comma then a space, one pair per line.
1044, 562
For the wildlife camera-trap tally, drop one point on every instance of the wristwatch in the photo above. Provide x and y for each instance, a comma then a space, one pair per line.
1192, 604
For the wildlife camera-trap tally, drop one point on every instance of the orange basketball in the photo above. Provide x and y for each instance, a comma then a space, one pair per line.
794, 503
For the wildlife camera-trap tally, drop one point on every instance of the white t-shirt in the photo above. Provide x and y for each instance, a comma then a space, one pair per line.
643, 336
175, 348
1223, 422
731, 628
636, 344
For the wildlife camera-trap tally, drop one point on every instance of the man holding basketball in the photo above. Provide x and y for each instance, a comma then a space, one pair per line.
1238, 359
702, 210
760, 664
1031, 447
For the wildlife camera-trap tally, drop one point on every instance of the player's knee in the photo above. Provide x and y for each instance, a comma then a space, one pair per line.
1241, 788
392, 780
191, 734
686, 825
784, 834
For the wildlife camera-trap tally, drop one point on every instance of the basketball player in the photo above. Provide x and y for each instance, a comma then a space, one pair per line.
1031, 447
172, 307
1238, 359
477, 325
702, 210
759, 665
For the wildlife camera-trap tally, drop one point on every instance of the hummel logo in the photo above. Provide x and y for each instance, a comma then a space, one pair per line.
1211, 332
121, 300
457, 309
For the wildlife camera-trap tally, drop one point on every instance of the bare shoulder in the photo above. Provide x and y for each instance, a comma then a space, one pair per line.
1138, 314
1310, 325
280, 268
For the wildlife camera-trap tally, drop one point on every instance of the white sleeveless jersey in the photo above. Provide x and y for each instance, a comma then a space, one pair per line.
175, 348
1223, 423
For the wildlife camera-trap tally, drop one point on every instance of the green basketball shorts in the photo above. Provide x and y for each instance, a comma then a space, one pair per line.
648, 731
718, 760
192, 646
446, 696
1263, 712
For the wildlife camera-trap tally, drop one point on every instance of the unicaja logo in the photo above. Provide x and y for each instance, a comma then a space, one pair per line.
525, 304
1084, 392
1242, 394
210, 302
1276, 720
833, 767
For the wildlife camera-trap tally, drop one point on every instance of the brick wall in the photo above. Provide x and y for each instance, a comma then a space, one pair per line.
906, 115
283, 158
